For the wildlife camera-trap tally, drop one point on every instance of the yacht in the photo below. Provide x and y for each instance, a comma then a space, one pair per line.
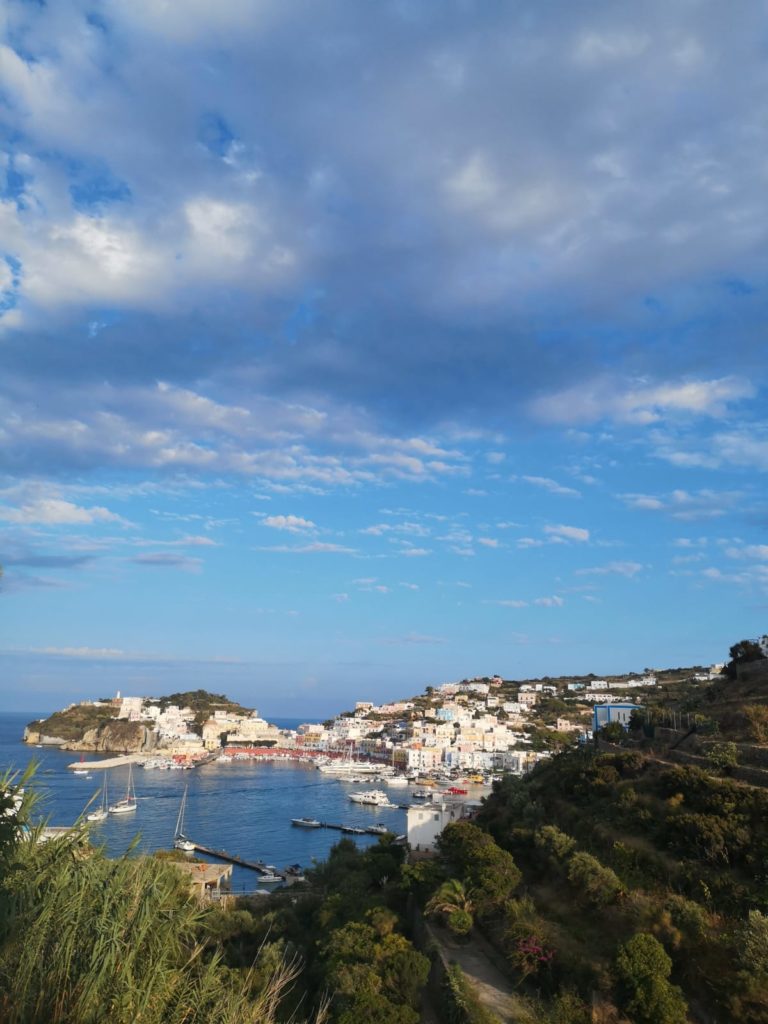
397, 780
306, 822
128, 803
180, 841
371, 797
101, 813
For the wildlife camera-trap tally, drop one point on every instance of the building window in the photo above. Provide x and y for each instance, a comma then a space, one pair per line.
437, 817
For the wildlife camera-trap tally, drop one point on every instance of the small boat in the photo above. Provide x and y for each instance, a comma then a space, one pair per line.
397, 780
270, 878
378, 830
128, 803
82, 770
101, 813
456, 791
306, 822
180, 841
353, 830
421, 794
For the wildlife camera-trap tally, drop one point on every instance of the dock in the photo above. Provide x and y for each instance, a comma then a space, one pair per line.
232, 858
109, 762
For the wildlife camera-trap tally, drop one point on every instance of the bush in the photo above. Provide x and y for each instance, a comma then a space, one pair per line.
723, 756
598, 884
643, 969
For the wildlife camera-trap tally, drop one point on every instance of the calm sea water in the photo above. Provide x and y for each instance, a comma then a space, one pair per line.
243, 807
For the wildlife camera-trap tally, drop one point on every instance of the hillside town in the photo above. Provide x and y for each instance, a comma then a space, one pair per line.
483, 725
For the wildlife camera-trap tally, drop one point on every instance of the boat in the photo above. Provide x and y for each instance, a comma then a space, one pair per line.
180, 841
306, 822
128, 803
101, 813
456, 791
270, 878
353, 829
371, 797
421, 794
378, 829
397, 780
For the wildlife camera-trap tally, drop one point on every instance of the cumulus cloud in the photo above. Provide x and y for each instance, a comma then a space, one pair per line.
57, 512
550, 602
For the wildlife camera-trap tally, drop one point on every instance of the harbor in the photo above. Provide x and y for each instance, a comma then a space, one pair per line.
243, 807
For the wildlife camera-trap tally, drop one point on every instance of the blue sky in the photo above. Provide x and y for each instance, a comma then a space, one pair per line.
349, 348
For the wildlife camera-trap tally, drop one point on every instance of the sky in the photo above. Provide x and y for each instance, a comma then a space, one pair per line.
348, 348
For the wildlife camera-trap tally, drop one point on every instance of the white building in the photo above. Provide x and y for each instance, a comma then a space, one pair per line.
427, 821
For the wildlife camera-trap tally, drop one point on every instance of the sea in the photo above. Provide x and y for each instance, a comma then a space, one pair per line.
242, 807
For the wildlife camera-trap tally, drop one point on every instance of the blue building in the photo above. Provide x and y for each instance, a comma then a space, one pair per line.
605, 713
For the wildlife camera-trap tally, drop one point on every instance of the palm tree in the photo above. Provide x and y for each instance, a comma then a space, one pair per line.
455, 904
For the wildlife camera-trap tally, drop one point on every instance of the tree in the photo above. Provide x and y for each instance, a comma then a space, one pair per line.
643, 969
598, 884
742, 653
453, 901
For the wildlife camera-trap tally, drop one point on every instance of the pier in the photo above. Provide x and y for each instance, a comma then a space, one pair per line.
109, 762
232, 858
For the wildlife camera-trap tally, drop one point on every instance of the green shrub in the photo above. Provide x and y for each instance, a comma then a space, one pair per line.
597, 883
648, 997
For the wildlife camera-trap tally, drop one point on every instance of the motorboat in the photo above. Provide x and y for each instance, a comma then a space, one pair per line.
180, 841
128, 803
397, 780
270, 879
422, 794
306, 822
372, 798
353, 830
378, 829
101, 813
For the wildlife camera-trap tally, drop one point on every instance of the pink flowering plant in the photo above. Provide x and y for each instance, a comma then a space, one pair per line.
530, 955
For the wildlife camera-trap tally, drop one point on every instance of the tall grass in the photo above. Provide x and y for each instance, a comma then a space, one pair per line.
87, 940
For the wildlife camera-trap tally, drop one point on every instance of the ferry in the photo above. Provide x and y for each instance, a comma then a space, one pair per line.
306, 822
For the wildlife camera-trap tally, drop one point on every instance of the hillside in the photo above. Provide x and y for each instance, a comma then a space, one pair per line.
95, 725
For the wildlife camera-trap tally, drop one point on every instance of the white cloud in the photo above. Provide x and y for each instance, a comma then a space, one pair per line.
511, 603
293, 524
550, 602
414, 552
57, 512
576, 533
606, 398
80, 652
495, 458
307, 549
489, 542
628, 569
552, 486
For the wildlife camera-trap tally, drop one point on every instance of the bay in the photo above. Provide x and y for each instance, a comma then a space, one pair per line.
243, 807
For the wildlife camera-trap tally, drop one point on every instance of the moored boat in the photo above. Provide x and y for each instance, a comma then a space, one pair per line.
101, 813
371, 798
306, 822
180, 841
128, 803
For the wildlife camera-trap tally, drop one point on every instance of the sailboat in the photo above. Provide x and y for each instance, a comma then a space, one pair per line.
128, 803
180, 841
101, 813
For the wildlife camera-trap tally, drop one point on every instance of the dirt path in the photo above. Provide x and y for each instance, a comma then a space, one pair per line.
493, 988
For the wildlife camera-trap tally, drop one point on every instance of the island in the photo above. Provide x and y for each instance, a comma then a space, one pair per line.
188, 723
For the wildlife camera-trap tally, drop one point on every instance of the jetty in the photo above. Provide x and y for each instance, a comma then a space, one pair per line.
109, 762
232, 858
